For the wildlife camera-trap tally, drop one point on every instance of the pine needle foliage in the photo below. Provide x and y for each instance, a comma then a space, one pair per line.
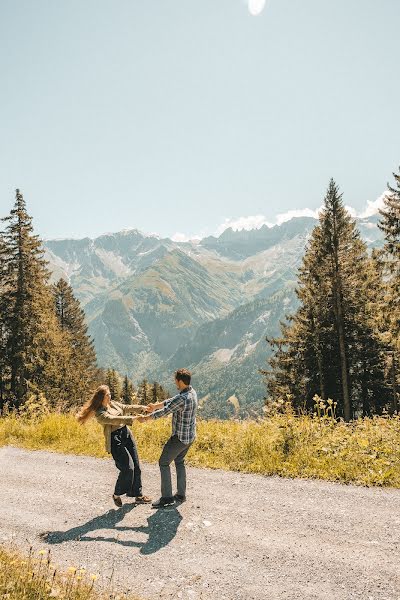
331, 346
79, 368
45, 351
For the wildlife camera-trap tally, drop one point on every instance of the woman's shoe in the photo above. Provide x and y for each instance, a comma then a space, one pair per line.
143, 500
117, 500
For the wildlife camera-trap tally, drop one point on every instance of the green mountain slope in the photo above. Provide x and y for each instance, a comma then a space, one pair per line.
154, 305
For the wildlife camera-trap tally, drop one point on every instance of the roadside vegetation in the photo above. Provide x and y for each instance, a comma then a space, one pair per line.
35, 577
365, 451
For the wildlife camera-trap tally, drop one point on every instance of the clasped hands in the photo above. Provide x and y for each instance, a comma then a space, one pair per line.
149, 409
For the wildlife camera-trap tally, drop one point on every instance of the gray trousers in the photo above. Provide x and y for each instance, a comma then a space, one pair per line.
174, 450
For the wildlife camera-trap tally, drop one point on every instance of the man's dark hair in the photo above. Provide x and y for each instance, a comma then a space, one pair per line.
183, 375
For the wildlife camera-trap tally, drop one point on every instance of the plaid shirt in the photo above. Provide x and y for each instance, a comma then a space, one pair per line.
183, 407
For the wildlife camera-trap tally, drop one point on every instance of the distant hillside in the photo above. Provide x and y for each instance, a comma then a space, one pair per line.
154, 305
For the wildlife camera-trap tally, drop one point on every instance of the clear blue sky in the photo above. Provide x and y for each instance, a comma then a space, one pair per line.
175, 115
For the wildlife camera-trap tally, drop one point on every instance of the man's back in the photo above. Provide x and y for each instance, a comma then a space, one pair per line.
184, 419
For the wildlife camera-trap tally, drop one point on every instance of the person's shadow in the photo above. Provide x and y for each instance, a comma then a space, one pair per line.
161, 528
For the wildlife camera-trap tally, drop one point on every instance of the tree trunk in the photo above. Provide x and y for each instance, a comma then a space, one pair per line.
394, 384
364, 392
342, 349
318, 353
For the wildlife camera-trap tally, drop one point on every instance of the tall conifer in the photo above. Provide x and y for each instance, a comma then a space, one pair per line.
3, 331
33, 342
390, 256
331, 346
113, 380
128, 391
80, 366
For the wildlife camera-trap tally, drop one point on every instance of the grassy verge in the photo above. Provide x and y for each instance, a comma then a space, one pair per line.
365, 452
35, 578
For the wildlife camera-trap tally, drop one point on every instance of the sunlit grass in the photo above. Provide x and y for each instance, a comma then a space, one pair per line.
365, 452
35, 577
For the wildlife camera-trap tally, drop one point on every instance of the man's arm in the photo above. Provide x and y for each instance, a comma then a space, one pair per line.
168, 407
154, 406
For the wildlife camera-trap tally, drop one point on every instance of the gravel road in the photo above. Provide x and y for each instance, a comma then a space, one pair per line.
238, 537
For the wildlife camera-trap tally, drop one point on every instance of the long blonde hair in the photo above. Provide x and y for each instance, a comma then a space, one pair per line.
95, 402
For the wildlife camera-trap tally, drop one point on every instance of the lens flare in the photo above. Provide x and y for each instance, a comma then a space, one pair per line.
256, 7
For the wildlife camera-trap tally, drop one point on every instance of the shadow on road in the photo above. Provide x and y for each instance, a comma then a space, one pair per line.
161, 529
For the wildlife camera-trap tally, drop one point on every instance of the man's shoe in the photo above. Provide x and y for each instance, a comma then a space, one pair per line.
117, 500
179, 498
162, 502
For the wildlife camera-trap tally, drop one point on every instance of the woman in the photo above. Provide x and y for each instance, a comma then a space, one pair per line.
114, 417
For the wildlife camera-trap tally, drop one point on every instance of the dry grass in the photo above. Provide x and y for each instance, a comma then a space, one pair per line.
35, 577
365, 452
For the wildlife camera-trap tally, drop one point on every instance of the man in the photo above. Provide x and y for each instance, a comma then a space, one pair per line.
183, 407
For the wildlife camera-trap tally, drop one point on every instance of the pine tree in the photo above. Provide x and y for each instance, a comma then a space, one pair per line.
331, 346
143, 392
33, 341
390, 225
128, 391
155, 392
390, 257
80, 367
3, 332
113, 380
339, 233
163, 394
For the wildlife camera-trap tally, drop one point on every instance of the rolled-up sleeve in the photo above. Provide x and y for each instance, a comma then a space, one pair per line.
170, 406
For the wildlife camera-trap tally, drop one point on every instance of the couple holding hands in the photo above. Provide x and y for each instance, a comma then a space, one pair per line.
115, 418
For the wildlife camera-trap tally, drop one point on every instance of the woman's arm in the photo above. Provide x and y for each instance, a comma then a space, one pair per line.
105, 418
133, 409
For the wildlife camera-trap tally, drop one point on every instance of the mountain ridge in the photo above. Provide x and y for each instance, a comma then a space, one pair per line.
153, 305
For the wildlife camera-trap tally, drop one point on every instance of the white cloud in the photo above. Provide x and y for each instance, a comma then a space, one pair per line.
257, 221
182, 237
373, 207
256, 6
251, 222
352, 211
291, 214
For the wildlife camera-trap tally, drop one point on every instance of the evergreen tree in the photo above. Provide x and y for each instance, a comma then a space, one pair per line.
144, 393
3, 337
163, 394
80, 367
32, 342
128, 391
331, 345
113, 381
390, 225
156, 392
390, 257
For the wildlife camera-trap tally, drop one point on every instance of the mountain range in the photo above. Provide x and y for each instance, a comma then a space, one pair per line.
153, 305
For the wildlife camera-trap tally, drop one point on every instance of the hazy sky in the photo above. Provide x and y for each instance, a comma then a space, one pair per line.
176, 116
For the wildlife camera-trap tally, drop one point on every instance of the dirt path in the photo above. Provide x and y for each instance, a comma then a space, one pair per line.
239, 537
